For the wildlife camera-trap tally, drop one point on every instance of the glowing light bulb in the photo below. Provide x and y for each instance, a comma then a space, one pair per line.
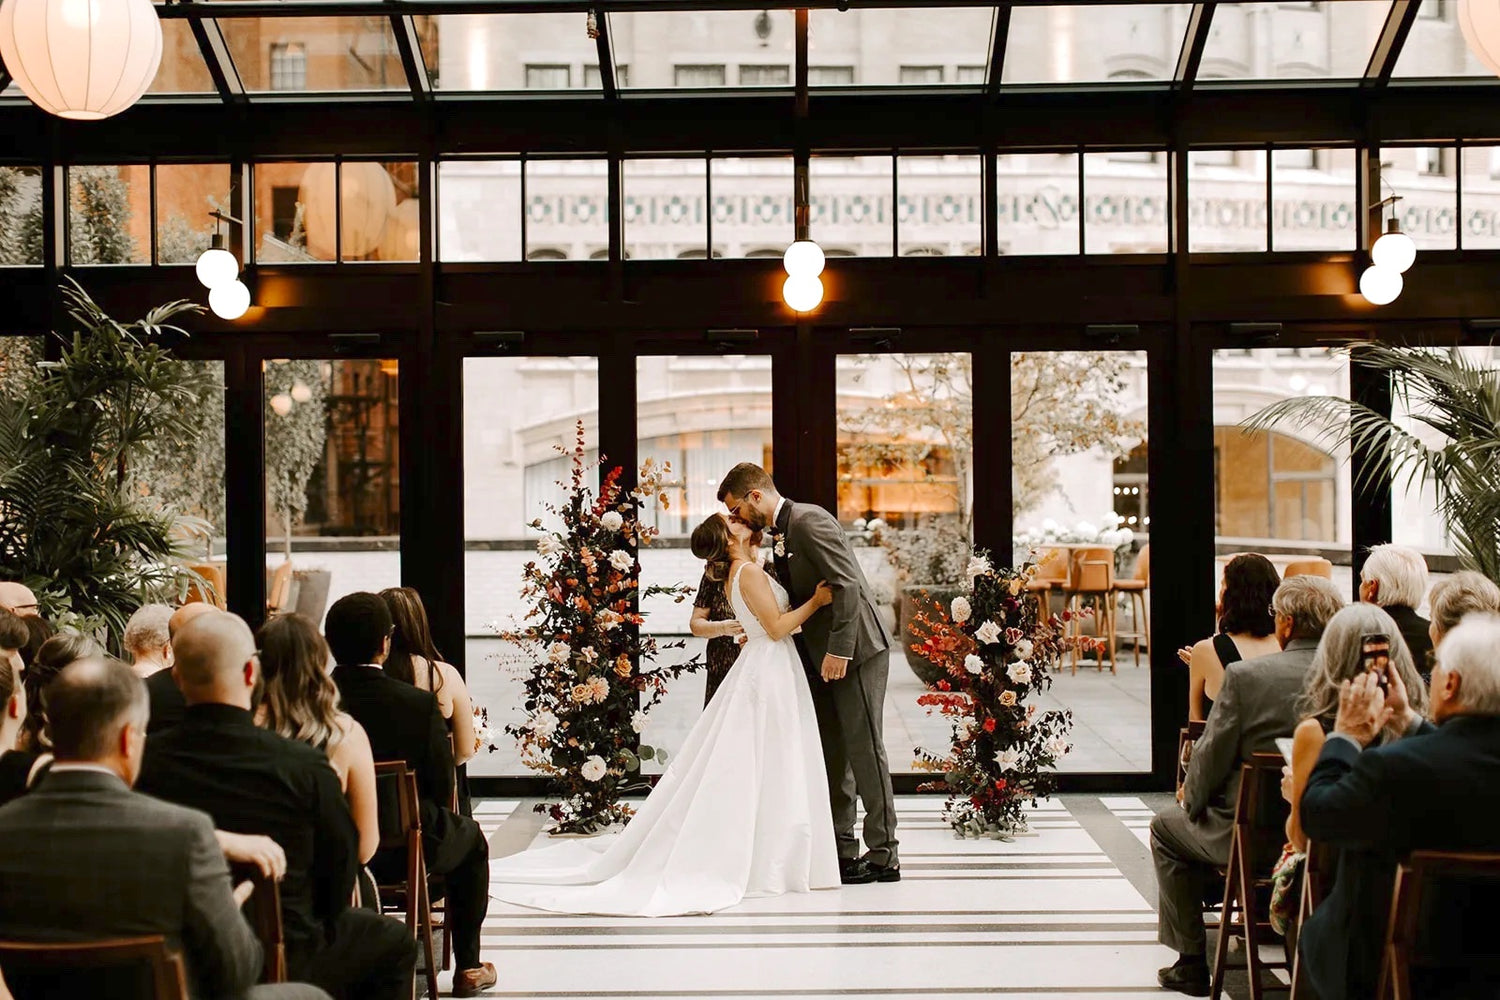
1380, 285
802, 292
229, 301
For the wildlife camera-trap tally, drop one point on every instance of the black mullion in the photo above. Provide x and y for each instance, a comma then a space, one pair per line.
1270, 199
990, 187
708, 205
999, 40
895, 204
244, 482
525, 245
151, 228
1082, 204
1194, 41
338, 210
1458, 195
1371, 513
992, 500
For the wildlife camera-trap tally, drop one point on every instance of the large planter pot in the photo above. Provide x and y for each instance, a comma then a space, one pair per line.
914, 600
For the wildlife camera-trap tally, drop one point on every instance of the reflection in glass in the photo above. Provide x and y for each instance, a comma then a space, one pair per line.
517, 413
299, 218
295, 54
1038, 202
1072, 44
109, 215
852, 210
185, 195
333, 486
665, 208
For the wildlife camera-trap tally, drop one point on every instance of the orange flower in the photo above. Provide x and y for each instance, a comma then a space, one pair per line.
622, 666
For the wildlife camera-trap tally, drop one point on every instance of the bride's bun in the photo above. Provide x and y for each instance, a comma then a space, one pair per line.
710, 542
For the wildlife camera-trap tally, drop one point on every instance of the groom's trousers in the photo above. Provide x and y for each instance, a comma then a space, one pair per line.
850, 722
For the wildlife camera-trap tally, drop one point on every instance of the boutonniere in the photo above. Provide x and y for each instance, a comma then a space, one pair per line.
779, 546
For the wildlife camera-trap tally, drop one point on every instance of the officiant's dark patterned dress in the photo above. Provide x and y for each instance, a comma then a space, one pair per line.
723, 651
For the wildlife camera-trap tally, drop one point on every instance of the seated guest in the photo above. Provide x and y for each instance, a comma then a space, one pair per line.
405, 724
301, 702
16, 766
13, 638
1463, 593
1395, 578
86, 858
252, 781
38, 631
167, 705
147, 640
1246, 630
18, 599
62, 649
415, 659
1256, 705
1438, 789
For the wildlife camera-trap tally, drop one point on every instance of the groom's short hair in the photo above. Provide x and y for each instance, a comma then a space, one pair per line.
743, 478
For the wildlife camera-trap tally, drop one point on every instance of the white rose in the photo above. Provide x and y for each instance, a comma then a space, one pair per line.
638, 722
558, 653
876, 524
547, 545
859, 524
621, 560
961, 610
973, 664
1020, 672
611, 521
1023, 649
1057, 746
987, 633
593, 769
544, 724
978, 566
1007, 759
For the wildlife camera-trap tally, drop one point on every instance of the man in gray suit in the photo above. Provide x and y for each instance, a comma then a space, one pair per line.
1257, 704
847, 656
86, 858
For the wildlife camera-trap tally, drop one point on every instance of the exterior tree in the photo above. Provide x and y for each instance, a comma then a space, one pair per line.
99, 220
20, 217
295, 440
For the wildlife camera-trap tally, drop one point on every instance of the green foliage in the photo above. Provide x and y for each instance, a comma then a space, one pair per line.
99, 222
20, 217
1453, 396
76, 526
295, 442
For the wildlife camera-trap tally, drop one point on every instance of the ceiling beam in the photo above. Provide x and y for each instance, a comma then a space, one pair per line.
800, 74
1194, 41
216, 56
1398, 25
409, 45
608, 79
343, 8
998, 45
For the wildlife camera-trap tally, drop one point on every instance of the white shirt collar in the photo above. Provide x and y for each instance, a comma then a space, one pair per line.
776, 515
61, 767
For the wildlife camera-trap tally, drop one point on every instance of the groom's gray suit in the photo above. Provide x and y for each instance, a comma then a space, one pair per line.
809, 545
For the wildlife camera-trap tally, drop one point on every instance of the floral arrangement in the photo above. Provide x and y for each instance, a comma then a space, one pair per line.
994, 649
590, 681
484, 736
1110, 533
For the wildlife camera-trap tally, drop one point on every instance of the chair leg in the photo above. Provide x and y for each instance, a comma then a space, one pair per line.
1114, 629
1226, 922
1249, 914
427, 950
1074, 629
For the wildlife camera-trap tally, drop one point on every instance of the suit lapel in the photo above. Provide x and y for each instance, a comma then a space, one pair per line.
778, 549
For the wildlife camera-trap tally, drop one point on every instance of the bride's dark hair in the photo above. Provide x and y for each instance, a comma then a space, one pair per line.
710, 542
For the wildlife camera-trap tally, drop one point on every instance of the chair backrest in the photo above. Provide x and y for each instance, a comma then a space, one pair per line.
1142, 570
263, 910
1260, 813
119, 969
213, 576
1092, 570
279, 592
1052, 565
396, 804
1308, 567
1437, 919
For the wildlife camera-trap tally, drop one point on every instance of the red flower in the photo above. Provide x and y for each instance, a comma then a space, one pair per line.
1000, 784
989, 725
944, 686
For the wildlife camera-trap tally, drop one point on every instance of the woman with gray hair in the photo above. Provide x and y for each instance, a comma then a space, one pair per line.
1461, 594
147, 641
1395, 578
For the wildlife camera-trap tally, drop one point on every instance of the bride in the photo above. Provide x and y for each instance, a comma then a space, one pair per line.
742, 810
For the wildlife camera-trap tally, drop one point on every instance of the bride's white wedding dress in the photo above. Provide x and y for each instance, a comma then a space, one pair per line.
741, 811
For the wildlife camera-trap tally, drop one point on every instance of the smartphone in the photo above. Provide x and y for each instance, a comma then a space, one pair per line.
1284, 744
1375, 656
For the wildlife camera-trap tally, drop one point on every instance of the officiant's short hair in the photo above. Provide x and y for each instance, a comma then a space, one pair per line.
743, 478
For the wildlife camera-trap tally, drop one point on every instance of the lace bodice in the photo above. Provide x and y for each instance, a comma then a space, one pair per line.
742, 611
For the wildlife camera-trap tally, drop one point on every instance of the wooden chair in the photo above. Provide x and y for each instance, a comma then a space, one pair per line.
1413, 941
139, 968
213, 576
1308, 567
1091, 574
1259, 833
1136, 589
1317, 879
279, 597
1187, 738
263, 910
396, 804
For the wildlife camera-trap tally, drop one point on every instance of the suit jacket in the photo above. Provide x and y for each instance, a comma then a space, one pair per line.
1414, 629
1437, 790
1257, 703
251, 780
404, 723
167, 702
813, 548
86, 858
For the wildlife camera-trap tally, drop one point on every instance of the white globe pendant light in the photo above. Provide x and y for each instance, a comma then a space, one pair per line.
1479, 20
802, 292
1380, 285
804, 257
229, 301
81, 59
1394, 250
217, 266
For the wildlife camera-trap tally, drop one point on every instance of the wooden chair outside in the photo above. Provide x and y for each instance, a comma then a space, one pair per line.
139, 968
1136, 590
1308, 567
1051, 576
279, 596
1259, 833
401, 830
213, 575
1412, 943
263, 910
1091, 574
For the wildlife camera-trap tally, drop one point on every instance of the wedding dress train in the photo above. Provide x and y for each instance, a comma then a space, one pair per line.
742, 810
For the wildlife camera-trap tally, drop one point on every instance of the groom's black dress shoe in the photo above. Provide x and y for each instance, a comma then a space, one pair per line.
862, 872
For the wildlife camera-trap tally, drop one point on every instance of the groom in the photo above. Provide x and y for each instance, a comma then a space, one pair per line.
846, 653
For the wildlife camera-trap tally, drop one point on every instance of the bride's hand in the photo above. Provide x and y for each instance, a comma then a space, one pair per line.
823, 596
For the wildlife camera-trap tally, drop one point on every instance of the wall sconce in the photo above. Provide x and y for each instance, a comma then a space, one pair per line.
1393, 253
219, 272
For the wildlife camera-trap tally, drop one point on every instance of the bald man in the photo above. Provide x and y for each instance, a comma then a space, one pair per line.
167, 704
252, 781
18, 599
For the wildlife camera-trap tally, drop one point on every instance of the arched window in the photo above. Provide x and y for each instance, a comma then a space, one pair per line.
1272, 485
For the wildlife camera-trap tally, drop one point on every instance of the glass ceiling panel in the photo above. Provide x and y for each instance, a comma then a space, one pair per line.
1116, 43
182, 70
509, 52
697, 49
933, 46
315, 54
1292, 41
1436, 47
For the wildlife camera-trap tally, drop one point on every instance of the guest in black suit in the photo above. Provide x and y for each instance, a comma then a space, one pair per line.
1437, 789
86, 858
405, 724
252, 781
167, 704
15, 765
1395, 578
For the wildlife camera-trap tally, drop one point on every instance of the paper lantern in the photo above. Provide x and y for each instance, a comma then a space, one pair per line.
1479, 20
369, 198
402, 239
82, 59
